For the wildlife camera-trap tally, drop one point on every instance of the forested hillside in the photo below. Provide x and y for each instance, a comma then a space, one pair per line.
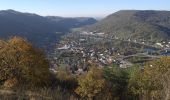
136, 24
41, 31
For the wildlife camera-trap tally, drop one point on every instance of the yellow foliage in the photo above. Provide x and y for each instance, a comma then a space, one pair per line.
21, 60
155, 77
91, 84
64, 75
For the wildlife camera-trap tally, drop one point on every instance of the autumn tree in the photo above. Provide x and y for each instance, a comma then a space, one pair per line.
152, 82
20, 60
156, 77
66, 79
91, 84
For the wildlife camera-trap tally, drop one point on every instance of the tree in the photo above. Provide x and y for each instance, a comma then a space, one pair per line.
91, 84
117, 81
156, 77
66, 79
20, 60
135, 86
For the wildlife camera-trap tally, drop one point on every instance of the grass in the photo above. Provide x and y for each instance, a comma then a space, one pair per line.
35, 94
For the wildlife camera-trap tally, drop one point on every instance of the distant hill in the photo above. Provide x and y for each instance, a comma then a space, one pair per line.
38, 29
146, 24
72, 22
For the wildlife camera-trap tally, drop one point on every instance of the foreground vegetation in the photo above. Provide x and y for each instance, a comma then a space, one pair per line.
25, 75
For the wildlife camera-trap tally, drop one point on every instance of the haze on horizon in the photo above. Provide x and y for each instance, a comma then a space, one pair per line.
82, 8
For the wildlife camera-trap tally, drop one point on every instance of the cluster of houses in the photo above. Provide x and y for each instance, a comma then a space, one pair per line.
163, 44
86, 55
82, 55
93, 33
95, 54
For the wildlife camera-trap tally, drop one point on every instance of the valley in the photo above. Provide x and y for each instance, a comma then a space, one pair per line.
77, 51
124, 56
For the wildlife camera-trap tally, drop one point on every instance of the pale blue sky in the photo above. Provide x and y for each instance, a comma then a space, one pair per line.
72, 8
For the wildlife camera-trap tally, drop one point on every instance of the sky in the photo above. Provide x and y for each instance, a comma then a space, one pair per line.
82, 8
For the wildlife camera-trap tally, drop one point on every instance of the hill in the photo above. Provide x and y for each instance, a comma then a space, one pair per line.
139, 24
72, 22
39, 30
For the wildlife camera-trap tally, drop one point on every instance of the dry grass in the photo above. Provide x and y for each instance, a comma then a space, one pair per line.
36, 94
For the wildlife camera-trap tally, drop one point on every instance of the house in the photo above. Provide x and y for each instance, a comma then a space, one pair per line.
167, 46
125, 64
129, 39
100, 34
82, 40
64, 47
159, 44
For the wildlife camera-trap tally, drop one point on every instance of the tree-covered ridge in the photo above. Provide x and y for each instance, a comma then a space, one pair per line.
74, 22
135, 24
42, 31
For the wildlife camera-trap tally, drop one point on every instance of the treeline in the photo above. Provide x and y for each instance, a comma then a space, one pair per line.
150, 82
25, 68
